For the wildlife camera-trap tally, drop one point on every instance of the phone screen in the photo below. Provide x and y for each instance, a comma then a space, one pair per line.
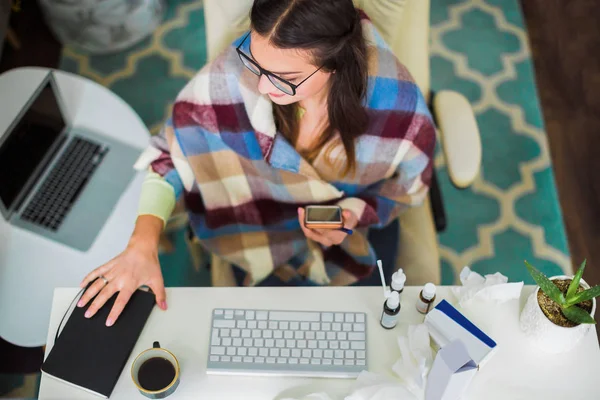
323, 214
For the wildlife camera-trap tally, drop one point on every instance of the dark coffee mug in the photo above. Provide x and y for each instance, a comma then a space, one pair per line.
155, 372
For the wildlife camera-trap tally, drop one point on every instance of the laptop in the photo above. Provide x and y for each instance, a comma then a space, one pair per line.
59, 181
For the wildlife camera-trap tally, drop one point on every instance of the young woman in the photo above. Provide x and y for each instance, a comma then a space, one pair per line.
310, 107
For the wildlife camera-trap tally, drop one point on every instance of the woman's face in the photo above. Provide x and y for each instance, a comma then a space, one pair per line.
289, 64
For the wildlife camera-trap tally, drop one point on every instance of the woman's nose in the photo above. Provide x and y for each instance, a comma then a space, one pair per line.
265, 86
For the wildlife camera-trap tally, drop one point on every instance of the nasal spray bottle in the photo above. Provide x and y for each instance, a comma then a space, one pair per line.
391, 307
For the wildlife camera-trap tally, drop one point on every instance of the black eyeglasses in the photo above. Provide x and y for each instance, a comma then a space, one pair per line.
285, 86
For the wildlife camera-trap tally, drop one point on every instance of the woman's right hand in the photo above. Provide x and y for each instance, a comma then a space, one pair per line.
136, 266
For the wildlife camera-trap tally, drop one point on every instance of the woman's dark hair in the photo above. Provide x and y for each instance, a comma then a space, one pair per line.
331, 31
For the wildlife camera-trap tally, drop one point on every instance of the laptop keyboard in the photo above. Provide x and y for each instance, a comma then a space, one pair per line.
62, 186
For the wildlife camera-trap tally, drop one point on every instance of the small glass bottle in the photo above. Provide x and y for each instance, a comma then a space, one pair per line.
398, 280
391, 309
426, 298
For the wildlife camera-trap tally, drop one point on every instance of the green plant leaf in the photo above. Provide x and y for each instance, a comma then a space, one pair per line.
575, 282
578, 315
546, 285
585, 295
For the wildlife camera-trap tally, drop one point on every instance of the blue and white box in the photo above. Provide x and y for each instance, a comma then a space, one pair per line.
446, 324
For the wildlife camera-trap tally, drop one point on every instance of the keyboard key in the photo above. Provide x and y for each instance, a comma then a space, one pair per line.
339, 317
323, 344
248, 359
342, 336
251, 324
294, 326
357, 345
310, 335
229, 314
304, 361
299, 335
222, 323
338, 362
235, 333
360, 354
326, 326
347, 327
285, 352
294, 316
268, 334
224, 332
349, 362
225, 359
334, 344
339, 354
312, 344
262, 315
242, 351
271, 360
331, 335
327, 317
360, 318
237, 342
236, 359
315, 326
336, 326
288, 334
296, 353
349, 354
306, 353
361, 362
344, 345
249, 314
293, 361
256, 333
216, 341
263, 352
280, 343
246, 332
349, 317
301, 344
259, 360
326, 362
284, 325
253, 351
318, 353
273, 325
304, 326
269, 343
239, 313
274, 352
226, 341
315, 361
259, 342
356, 336
262, 325
247, 342
328, 353
281, 361
359, 327
217, 351
241, 324
290, 343
278, 334
231, 351
218, 312
320, 335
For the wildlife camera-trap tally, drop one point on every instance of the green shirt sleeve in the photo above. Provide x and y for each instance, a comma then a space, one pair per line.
157, 197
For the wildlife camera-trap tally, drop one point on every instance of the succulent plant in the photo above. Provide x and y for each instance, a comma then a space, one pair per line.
567, 302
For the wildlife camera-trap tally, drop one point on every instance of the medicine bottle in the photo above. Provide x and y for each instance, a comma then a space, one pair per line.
398, 280
426, 298
391, 309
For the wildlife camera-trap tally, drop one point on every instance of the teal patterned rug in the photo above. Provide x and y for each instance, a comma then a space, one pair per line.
479, 48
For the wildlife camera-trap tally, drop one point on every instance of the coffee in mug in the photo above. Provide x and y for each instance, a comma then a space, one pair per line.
155, 372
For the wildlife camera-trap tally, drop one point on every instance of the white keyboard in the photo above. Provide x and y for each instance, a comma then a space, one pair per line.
288, 343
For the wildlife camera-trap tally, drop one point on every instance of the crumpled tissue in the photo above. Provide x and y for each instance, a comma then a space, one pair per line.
492, 287
412, 369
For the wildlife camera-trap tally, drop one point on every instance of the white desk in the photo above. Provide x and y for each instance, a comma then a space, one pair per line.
32, 266
516, 371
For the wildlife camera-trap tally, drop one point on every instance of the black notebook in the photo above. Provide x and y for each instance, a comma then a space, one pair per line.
90, 355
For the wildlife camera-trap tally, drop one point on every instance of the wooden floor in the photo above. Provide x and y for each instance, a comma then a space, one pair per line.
565, 40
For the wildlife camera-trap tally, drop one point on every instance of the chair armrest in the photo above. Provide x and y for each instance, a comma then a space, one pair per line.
459, 135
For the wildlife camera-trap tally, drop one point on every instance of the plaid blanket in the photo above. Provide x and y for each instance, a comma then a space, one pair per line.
242, 182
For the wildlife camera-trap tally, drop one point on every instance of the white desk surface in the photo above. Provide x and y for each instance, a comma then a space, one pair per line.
516, 371
32, 266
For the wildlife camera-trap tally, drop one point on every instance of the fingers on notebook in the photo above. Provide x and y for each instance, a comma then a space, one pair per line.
95, 274
122, 299
91, 292
99, 301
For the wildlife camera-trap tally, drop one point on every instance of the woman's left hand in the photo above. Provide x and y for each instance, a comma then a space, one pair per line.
329, 237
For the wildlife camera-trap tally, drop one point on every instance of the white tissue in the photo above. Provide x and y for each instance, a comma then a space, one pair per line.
493, 287
416, 359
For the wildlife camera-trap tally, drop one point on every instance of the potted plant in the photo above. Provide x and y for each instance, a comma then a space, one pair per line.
560, 311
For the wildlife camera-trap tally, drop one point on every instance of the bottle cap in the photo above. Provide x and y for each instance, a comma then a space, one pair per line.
398, 279
393, 301
429, 291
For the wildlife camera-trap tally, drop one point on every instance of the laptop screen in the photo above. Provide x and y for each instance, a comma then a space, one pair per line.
28, 144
